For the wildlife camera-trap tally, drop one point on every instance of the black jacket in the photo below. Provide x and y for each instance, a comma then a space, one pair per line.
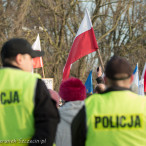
46, 115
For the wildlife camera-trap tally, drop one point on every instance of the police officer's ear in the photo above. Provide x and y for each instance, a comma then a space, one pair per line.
19, 59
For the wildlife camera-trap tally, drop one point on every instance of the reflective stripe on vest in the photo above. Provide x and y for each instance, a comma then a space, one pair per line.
116, 118
17, 91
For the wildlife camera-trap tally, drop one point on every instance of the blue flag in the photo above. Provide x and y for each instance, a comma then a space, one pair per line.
136, 76
135, 83
88, 83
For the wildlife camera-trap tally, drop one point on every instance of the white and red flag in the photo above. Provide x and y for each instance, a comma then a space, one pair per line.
144, 77
37, 62
84, 44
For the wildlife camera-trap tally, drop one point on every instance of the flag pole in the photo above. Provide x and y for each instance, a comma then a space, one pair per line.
43, 72
100, 60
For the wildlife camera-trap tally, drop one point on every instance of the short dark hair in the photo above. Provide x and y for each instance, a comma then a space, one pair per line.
8, 60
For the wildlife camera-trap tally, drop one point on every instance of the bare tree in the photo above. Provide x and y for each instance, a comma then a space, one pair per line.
118, 26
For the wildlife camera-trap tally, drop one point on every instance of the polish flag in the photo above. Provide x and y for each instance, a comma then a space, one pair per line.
144, 77
37, 62
84, 44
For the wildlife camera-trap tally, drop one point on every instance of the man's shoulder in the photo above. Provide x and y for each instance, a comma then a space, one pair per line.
94, 97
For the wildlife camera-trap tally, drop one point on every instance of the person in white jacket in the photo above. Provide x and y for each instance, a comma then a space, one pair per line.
73, 92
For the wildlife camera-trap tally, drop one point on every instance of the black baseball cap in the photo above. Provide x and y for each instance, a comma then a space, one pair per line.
118, 65
16, 46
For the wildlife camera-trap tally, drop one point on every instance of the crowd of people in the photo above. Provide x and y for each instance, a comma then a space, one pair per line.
33, 115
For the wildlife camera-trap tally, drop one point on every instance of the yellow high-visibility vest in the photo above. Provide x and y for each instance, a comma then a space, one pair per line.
17, 91
116, 118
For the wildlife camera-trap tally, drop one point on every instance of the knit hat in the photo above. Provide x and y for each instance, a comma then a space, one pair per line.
118, 65
72, 89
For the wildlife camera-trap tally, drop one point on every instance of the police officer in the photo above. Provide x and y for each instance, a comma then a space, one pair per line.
28, 116
117, 117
